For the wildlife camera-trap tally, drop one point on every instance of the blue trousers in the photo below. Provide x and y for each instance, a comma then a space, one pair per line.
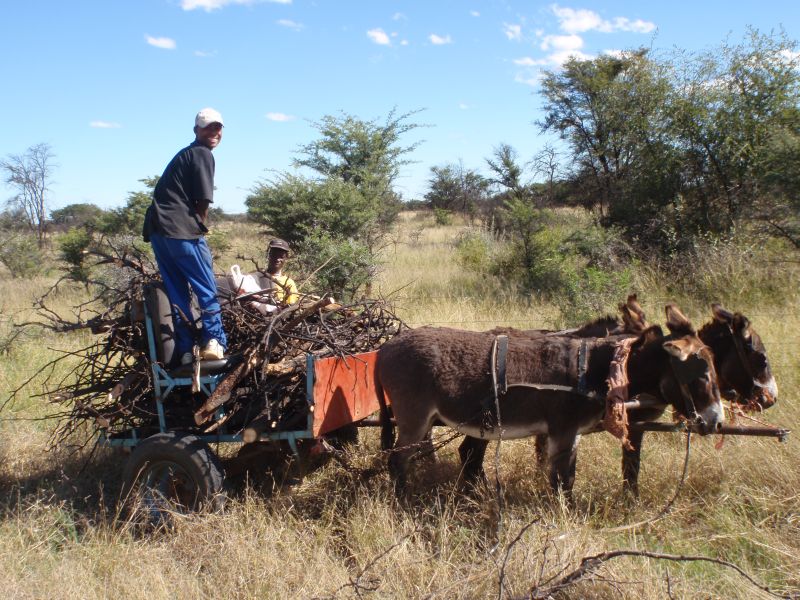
185, 263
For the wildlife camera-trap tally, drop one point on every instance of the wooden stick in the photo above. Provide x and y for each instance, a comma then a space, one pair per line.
223, 391
725, 429
308, 311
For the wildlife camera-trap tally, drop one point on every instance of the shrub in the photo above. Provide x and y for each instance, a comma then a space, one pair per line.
73, 246
472, 249
442, 216
219, 242
579, 266
342, 267
22, 256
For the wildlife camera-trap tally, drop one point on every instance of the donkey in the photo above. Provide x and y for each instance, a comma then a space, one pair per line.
434, 375
743, 375
740, 358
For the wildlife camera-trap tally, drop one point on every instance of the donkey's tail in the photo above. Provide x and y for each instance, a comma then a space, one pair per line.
387, 429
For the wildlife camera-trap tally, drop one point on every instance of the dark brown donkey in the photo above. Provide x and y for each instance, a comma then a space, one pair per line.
437, 375
743, 375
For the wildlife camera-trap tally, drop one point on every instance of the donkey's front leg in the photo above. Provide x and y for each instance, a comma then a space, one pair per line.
631, 459
562, 448
472, 450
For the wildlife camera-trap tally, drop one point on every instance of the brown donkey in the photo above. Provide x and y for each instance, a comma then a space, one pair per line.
438, 375
743, 376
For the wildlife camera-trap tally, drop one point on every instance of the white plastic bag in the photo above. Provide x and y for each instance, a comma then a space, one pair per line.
244, 283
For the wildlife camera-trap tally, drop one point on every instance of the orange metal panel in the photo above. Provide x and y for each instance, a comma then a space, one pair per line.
344, 391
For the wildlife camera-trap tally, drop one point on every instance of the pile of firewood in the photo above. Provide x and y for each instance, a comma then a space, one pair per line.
109, 382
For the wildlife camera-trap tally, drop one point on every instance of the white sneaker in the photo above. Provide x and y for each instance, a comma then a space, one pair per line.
213, 351
186, 358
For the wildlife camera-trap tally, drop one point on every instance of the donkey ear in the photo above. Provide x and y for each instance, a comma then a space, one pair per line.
634, 322
741, 324
636, 308
680, 348
677, 322
720, 314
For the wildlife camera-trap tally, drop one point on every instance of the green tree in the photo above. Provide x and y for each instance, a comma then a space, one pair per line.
367, 154
130, 218
454, 188
351, 202
78, 215
736, 116
611, 111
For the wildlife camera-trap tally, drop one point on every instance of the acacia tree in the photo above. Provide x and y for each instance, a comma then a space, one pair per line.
455, 188
610, 110
736, 118
341, 215
366, 154
29, 174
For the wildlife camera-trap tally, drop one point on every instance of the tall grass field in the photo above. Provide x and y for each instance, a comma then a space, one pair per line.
337, 535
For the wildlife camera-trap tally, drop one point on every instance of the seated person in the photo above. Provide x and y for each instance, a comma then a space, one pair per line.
283, 289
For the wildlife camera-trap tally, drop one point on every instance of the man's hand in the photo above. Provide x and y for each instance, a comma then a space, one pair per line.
202, 210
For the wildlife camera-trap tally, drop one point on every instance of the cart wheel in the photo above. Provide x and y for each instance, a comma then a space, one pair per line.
171, 473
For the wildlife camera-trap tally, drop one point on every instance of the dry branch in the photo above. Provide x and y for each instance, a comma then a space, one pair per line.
590, 564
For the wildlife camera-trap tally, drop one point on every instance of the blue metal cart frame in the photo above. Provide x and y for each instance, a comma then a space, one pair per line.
165, 382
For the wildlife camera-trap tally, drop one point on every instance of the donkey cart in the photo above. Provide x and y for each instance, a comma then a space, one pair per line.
172, 465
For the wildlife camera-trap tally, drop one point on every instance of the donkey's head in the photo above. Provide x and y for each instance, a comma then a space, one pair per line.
740, 359
679, 368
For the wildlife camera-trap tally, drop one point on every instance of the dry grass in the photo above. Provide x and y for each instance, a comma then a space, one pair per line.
337, 536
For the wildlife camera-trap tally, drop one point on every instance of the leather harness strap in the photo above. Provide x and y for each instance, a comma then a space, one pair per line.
581, 389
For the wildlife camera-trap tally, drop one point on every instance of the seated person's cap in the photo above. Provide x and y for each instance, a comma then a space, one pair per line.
278, 243
206, 117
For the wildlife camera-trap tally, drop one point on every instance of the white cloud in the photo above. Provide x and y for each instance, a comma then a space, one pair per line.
613, 52
204, 54
289, 24
789, 55
474, 13
580, 20
398, 16
576, 21
527, 61
209, 5
379, 36
513, 32
562, 42
559, 58
160, 42
637, 26
404, 42
279, 117
438, 40
463, 106
532, 78
104, 125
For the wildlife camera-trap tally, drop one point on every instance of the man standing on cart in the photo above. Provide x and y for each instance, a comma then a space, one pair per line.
175, 225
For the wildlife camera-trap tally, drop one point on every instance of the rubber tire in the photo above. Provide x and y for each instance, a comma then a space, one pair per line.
194, 470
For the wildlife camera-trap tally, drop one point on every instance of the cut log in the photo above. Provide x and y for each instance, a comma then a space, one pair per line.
223, 391
123, 385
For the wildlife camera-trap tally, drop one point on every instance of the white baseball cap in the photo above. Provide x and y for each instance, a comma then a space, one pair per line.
206, 117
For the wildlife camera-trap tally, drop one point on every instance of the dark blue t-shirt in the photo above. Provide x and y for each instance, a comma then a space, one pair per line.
188, 178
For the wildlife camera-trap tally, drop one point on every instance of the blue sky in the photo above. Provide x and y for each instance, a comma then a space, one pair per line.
113, 85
